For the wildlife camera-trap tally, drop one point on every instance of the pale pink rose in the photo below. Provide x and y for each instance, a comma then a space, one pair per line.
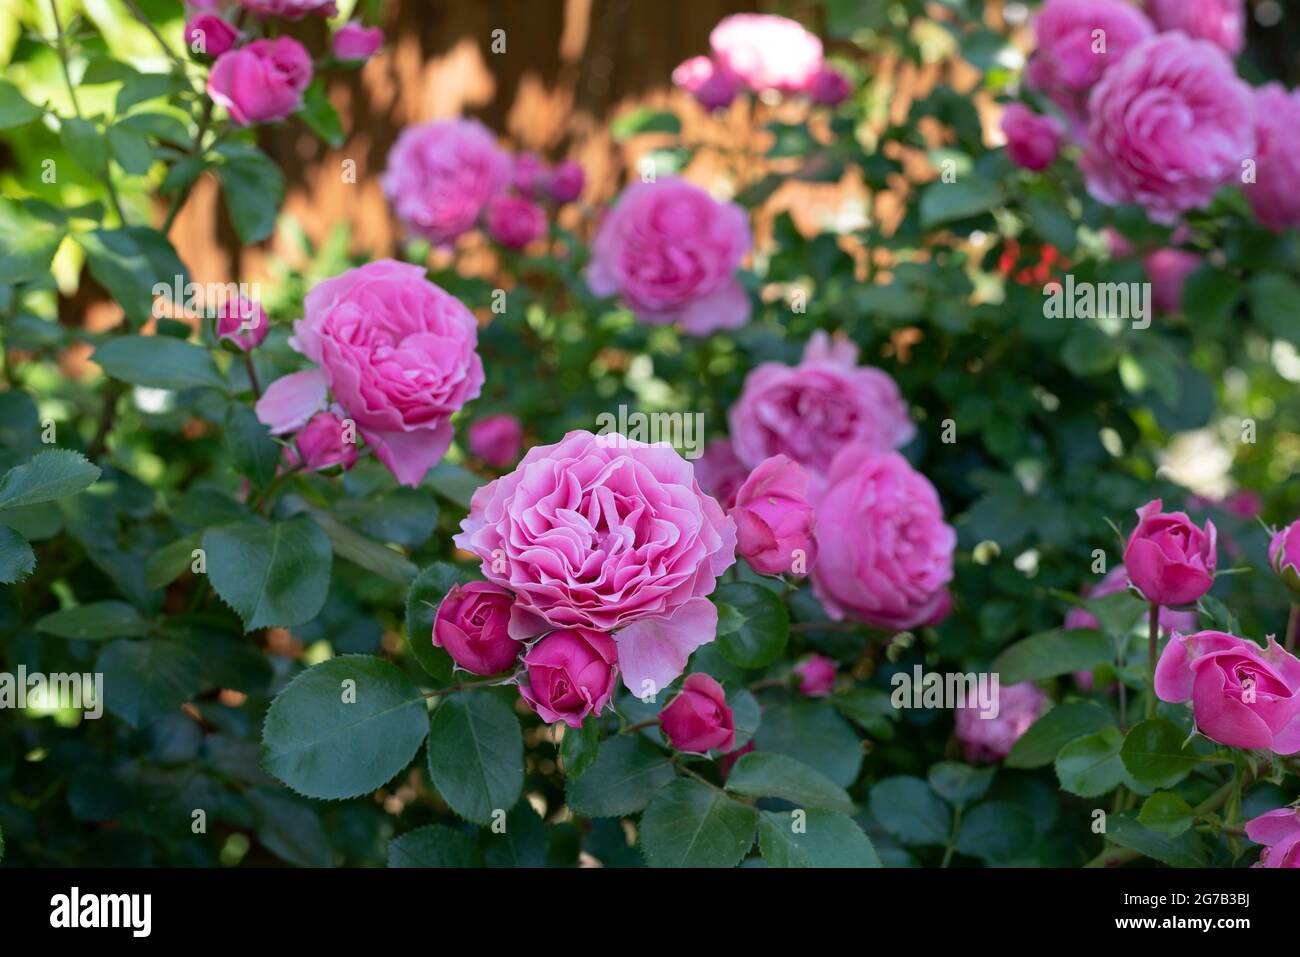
670, 251
564, 183
885, 554
712, 86
261, 81
1076, 42
1284, 555
209, 35
811, 411
698, 718
816, 676
1279, 832
720, 473
1169, 558
441, 175
1222, 22
774, 518
766, 52
829, 87
1167, 127
242, 322
496, 440
291, 9
616, 537
1168, 270
991, 739
324, 442
1273, 195
1033, 140
571, 674
514, 221
353, 41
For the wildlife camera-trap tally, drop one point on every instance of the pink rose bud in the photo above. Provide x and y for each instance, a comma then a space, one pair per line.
515, 221
528, 173
1168, 270
496, 440
986, 737
774, 518
571, 674
1170, 559
829, 87
565, 182
327, 441
698, 718
356, 42
712, 86
816, 676
209, 35
472, 625
1242, 695
243, 323
1279, 832
1284, 555
1033, 140
262, 81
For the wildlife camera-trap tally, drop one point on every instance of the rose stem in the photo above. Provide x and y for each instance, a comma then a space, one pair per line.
1153, 636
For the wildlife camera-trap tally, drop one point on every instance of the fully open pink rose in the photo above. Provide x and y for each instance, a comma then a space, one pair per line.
698, 719
884, 550
774, 518
767, 52
720, 472
441, 175
1033, 140
670, 251
262, 81
1273, 194
1242, 695
816, 676
473, 626
1168, 270
811, 411
326, 441
209, 35
1169, 558
1167, 127
712, 86
496, 440
590, 534
1284, 555
1222, 22
243, 323
991, 739
291, 9
1076, 42
571, 674
1279, 832
353, 41
514, 221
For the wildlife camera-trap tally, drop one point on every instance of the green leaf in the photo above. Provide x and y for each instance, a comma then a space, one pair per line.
745, 714
1275, 304
132, 263
254, 189
578, 748
84, 143
947, 202
255, 453
27, 254
1090, 766
131, 150
1167, 813
690, 824
1155, 754
759, 624
959, 784
422, 601
627, 772
644, 120
159, 362
168, 563
777, 776
523, 843
457, 485
273, 575
434, 846
144, 680
1186, 850
50, 475
1117, 613
476, 755
827, 839
812, 732
406, 516
95, 621
16, 557
870, 709
319, 115
344, 727
289, 829
907, 808
996, 831
1040, 745
15, 110
1051, 653
138, 87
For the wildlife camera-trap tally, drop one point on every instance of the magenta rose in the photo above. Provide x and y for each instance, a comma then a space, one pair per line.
720, 473
1168, 126
597, 534
766, 52
712, 86
210, 35
811, 411
1033, 140
473, 626
564, 183
670, 251
991, 739
1076, 42
1222, 22
774, 518
816, 676
441, 175
1279, 832
514, 221
1273, 194
291, 9
399, 355
1284, 555
1169, 559
571, 674
527, 173
698, 719
496, 440
1242, 695
243, 323
324, 442
262, 81
1168, 270
885, 554
829, 87
354, 41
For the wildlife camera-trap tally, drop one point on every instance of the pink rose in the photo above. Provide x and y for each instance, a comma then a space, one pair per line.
720, 473
766, 52
472, 625
262, 81
209, 35
884, 550
1273, 195
571, 674
590, 534
326, 441
991, 739
671, 251
774, 518
1284, 555
356, 42
1076, 42
291, 9
527, 173
829, 87
496, 440
1168, 126
811, 411
1168, 270
441, 175
1033, 140
1222, 22
1279, 832
698, 719
515, 221
1169, 559
713, 87
1242, 695
564, 183
243, 323
399, 355
816, 676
